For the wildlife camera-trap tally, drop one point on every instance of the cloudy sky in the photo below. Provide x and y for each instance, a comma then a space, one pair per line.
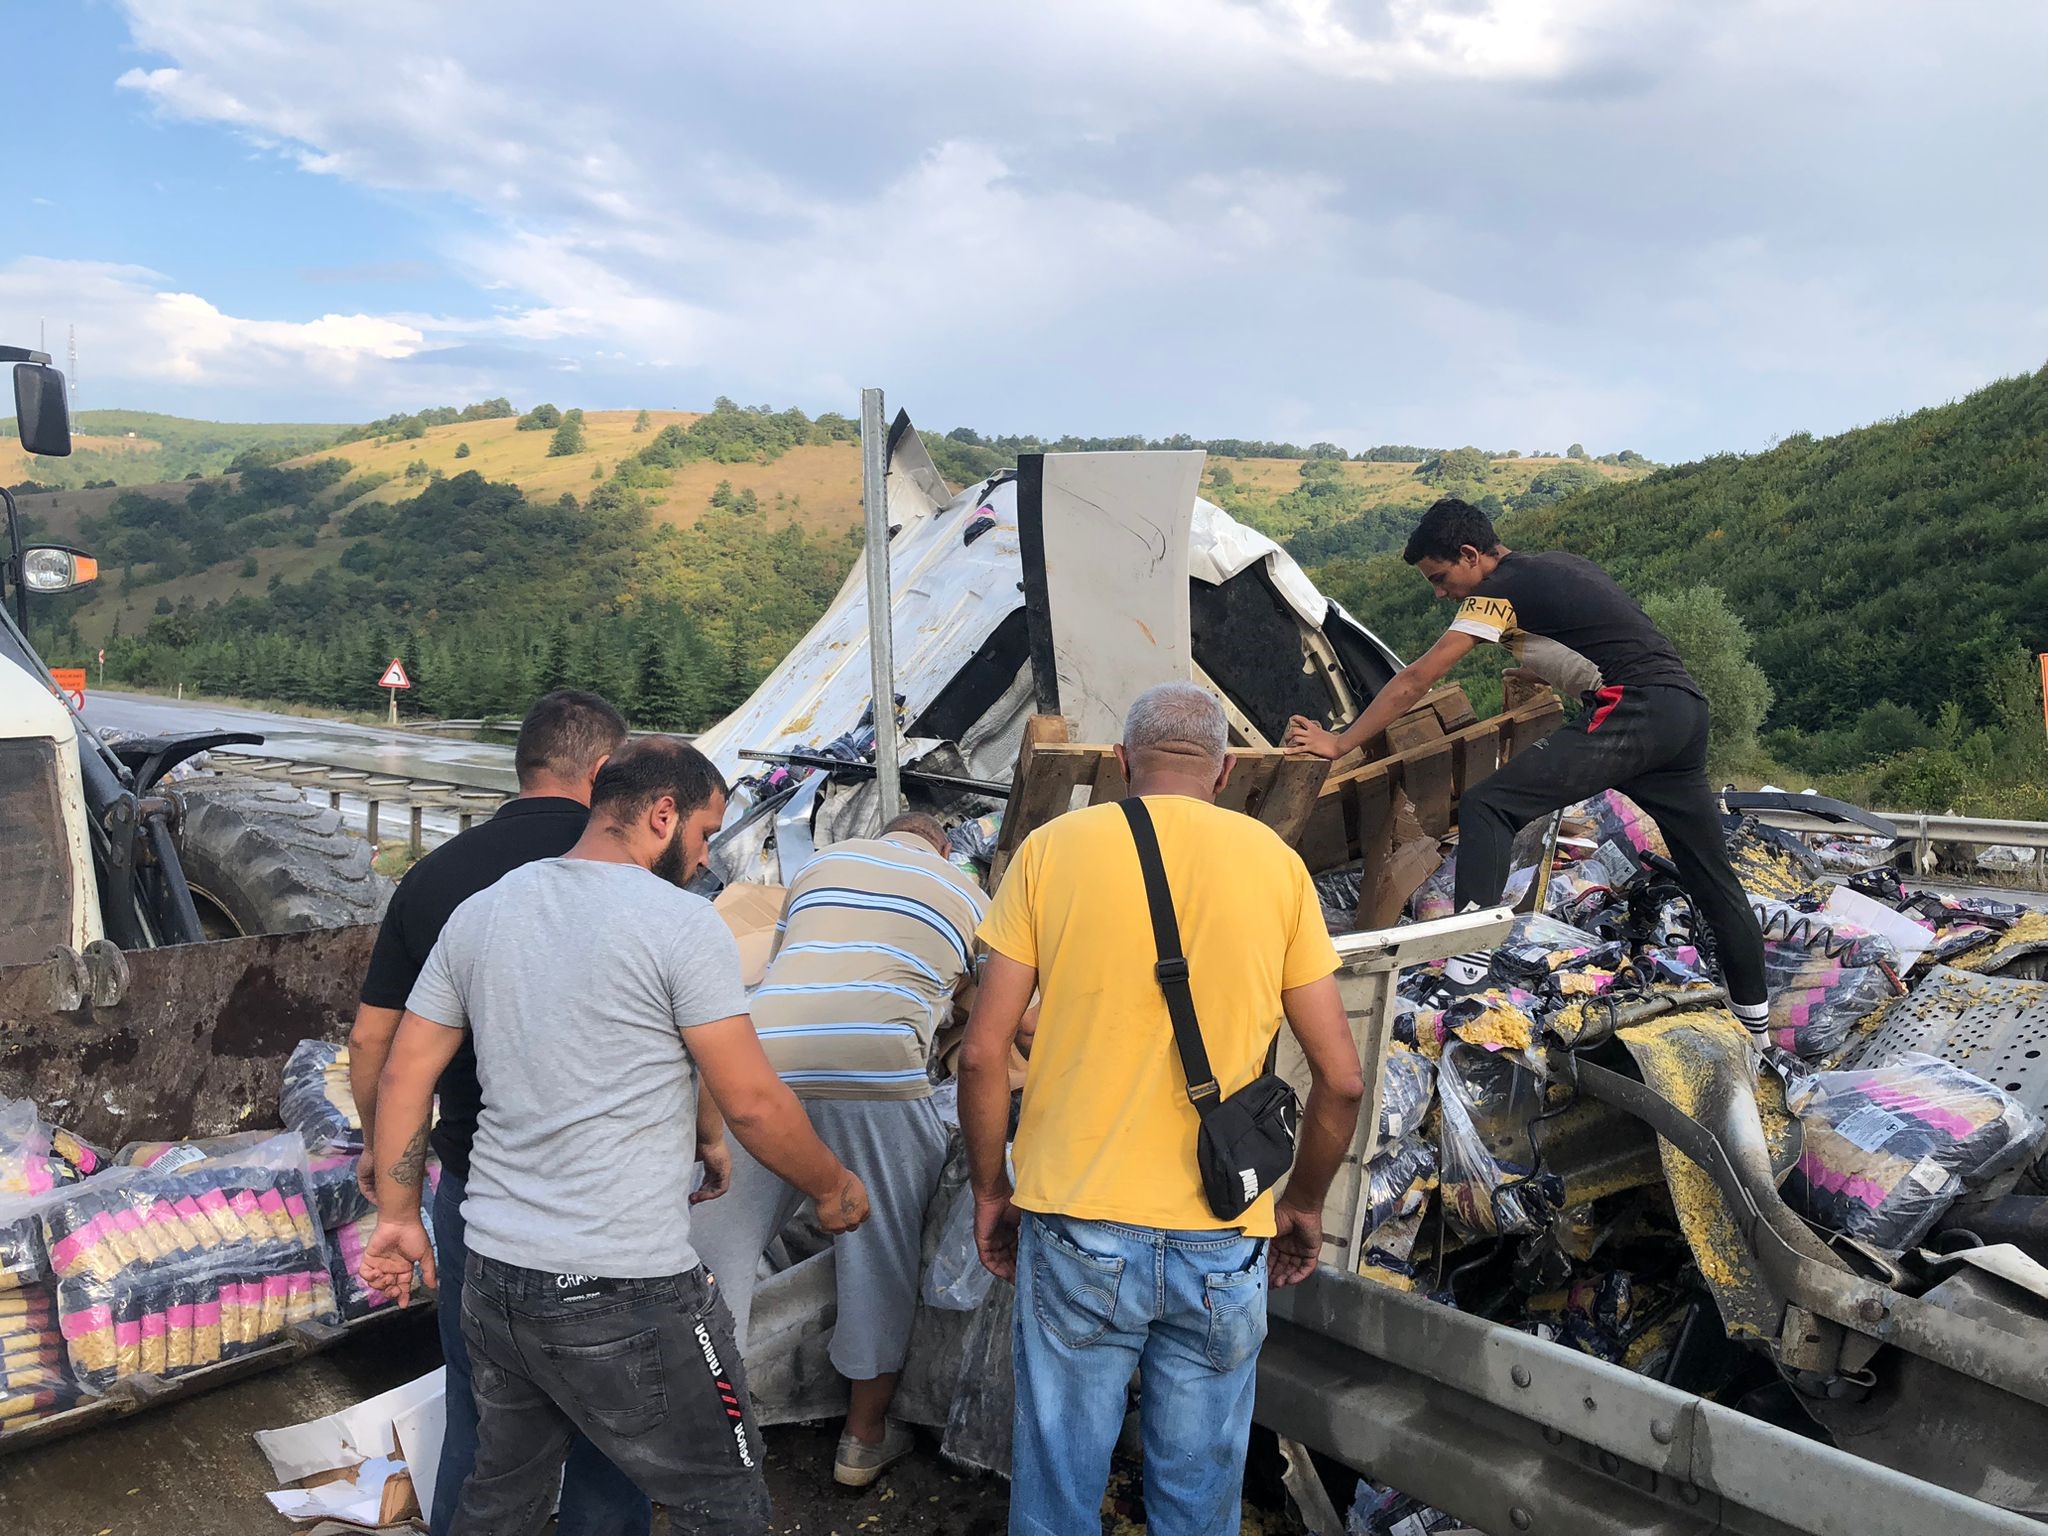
1672, 225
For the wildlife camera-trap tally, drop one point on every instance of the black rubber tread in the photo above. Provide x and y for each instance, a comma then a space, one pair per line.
276, 861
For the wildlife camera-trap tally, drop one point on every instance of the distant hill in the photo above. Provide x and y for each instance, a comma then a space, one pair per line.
142, 447
812, 485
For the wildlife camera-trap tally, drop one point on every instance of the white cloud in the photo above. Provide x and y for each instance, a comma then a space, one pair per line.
1444, 220
135, 328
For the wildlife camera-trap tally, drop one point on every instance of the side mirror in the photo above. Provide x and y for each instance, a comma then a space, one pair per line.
55, 568
40, 410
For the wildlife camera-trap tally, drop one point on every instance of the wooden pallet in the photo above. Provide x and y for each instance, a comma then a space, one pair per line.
1364, 812
1054, 775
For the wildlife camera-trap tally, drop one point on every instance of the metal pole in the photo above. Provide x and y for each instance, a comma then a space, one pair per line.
874, 454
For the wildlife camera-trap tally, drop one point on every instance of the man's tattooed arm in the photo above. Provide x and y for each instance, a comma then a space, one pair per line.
412, 1161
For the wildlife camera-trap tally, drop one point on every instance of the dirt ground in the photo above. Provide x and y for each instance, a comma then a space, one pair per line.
192, 1468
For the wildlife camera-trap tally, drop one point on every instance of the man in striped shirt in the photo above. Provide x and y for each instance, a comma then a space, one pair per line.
874, 954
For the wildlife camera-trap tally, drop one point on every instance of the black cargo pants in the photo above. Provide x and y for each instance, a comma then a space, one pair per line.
1651, 744
646, 1369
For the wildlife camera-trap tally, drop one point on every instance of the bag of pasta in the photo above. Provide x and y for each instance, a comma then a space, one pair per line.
1887, 1150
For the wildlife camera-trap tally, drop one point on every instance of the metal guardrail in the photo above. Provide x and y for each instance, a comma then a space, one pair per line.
507, 723
1925, 831
1512, 1434
1921, 831
375, 789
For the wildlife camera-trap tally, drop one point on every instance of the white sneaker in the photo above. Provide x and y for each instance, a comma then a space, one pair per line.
857, 1464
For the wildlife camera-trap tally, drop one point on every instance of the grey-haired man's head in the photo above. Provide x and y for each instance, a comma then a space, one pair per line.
1175, 738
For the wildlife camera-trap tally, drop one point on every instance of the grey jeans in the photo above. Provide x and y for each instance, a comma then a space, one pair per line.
646, 1369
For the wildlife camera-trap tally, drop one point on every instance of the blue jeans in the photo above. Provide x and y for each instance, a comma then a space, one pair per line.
1097, 1300
597, 1498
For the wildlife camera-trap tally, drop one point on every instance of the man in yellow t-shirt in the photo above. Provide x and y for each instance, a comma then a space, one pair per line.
1118, 1259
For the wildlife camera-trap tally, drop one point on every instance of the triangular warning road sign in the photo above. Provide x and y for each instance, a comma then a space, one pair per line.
394, 676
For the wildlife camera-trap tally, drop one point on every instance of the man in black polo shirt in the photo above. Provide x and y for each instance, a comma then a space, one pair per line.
565, 738
1645, 733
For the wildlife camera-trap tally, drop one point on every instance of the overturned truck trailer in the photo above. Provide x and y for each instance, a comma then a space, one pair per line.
1065, 588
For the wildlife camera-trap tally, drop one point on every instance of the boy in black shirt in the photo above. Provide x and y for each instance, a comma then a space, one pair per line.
1566, 622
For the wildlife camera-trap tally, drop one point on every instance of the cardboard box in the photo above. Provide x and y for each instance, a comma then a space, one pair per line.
751, 911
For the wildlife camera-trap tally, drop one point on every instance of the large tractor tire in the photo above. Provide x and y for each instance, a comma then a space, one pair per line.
261, 858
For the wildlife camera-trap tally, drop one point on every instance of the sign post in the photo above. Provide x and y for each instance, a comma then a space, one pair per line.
103, 666
394, 678
874, 455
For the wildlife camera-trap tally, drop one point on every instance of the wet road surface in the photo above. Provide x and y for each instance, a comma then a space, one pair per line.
191, 1468
377, 748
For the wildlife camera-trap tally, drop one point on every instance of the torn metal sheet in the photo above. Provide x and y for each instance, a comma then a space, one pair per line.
2000, 1259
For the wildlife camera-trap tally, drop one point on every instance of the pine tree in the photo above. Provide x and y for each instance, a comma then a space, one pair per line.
660, 699
552, 665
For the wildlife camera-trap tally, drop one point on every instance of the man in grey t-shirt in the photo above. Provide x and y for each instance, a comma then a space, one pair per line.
596, 992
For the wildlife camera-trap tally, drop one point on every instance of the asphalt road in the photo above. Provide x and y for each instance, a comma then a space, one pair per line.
374, 747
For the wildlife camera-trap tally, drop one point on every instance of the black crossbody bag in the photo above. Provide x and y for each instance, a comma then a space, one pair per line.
1246, 1142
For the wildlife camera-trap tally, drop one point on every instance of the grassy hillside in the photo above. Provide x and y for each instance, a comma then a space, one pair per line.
141, 447
1323, 509
816, 486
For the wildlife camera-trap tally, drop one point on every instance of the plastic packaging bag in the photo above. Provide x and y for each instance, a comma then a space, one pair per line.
36, 1157
1888, 1150
957, 1281
1337, 892
1608, 868
1771, 864
169, 1156
1489, 1185
985, 1393
35, 1378
1619, 820
354, 1296
1398, 1182
314, 1097
971, 845
192, 1260
337, 1198
1407, 1084
1824, 976
1380, 1511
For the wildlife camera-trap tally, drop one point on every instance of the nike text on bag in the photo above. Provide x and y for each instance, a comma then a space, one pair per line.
1246, 1142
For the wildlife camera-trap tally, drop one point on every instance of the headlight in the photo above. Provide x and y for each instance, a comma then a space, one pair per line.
48, 568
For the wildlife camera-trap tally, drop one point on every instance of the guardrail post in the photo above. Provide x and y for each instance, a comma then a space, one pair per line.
370, 822
413, 841
334, 799
462, 822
